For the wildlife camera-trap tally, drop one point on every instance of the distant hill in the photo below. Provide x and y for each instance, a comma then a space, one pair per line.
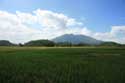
110, 44
77, 39
39, 43
6, 43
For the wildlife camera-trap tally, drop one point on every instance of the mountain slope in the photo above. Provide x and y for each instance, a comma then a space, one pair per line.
76, 39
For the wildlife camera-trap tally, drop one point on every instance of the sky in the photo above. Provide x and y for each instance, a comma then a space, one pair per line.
25, 20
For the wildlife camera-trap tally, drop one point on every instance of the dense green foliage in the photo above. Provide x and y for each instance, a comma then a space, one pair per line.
68, 44
110, 44
64, 44
62, 65
6, 43
40, 43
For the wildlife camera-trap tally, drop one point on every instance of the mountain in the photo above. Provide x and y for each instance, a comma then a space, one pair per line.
77, 39
6, 43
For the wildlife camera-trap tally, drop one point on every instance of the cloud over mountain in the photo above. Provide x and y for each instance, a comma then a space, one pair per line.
44, 24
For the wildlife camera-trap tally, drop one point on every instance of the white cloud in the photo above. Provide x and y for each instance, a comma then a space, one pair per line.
43, 24
49, 19
26, 17
116, 34
12, 28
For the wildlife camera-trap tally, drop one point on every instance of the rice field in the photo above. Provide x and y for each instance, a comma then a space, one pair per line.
62, 65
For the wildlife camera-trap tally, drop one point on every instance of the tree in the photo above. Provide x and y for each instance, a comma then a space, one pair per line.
64, 44
6, 43
20, 44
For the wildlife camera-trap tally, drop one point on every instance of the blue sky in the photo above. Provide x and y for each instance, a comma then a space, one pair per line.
101, 19
97, 15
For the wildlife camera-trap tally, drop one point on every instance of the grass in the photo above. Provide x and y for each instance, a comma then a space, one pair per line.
62, 65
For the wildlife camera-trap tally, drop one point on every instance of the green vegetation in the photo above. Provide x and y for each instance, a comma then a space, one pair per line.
62, 65
6, 43
40, 43
110, 44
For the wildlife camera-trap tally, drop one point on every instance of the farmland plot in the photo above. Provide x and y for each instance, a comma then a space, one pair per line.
62, 65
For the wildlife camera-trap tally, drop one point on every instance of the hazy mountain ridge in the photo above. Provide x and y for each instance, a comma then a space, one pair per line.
76, 39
